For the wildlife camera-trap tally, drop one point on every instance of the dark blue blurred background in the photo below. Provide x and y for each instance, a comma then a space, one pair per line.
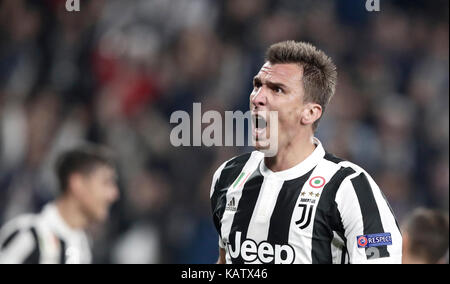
115, 71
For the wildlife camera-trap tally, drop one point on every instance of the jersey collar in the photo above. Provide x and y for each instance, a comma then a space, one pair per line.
298, 170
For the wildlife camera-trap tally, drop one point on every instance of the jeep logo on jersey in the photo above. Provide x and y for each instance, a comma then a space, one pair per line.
264, 251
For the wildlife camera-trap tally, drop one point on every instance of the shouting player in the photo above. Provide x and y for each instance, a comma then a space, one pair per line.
301, 205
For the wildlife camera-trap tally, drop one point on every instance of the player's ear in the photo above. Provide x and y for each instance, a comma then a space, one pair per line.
75, 183
310, 113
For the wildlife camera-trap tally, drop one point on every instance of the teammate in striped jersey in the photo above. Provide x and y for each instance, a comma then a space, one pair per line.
302, 205
56, 235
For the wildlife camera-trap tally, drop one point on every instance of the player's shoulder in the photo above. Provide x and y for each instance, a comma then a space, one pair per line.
347, 172
21, 224
344, 164
229, 169
23, 221
244, 158
353, 175
240, 160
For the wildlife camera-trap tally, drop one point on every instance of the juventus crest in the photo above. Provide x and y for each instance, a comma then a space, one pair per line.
305, 218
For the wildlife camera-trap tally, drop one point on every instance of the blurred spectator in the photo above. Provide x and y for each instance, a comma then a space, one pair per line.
425, 237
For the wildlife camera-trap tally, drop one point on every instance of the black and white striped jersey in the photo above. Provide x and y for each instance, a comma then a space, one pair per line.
323, 210
43, 239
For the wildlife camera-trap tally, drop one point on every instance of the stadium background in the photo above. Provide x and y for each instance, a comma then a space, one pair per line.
115, 71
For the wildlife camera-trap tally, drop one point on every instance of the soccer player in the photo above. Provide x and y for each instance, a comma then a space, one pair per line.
56, 235
425, 237
301, 205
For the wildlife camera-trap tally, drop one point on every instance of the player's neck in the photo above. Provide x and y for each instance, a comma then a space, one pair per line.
71, 214
291, 154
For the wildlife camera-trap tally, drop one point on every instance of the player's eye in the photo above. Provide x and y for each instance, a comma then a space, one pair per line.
278, 90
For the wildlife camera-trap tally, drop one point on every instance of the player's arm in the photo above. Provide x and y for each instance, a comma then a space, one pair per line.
222, 253
370, 228
20, 247
216, 176
221, 259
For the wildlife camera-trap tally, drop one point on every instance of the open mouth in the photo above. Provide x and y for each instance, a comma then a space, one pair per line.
259, 122
259, 127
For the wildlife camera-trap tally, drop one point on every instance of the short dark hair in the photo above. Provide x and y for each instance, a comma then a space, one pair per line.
428, 234
319, 71
83, 159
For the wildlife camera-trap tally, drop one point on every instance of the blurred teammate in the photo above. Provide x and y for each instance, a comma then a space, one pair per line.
302, 205
425, 237
87, 181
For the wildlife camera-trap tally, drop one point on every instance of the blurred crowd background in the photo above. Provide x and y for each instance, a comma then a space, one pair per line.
115, 71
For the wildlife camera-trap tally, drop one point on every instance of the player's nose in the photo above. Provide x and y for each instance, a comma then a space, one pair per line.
258, 98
